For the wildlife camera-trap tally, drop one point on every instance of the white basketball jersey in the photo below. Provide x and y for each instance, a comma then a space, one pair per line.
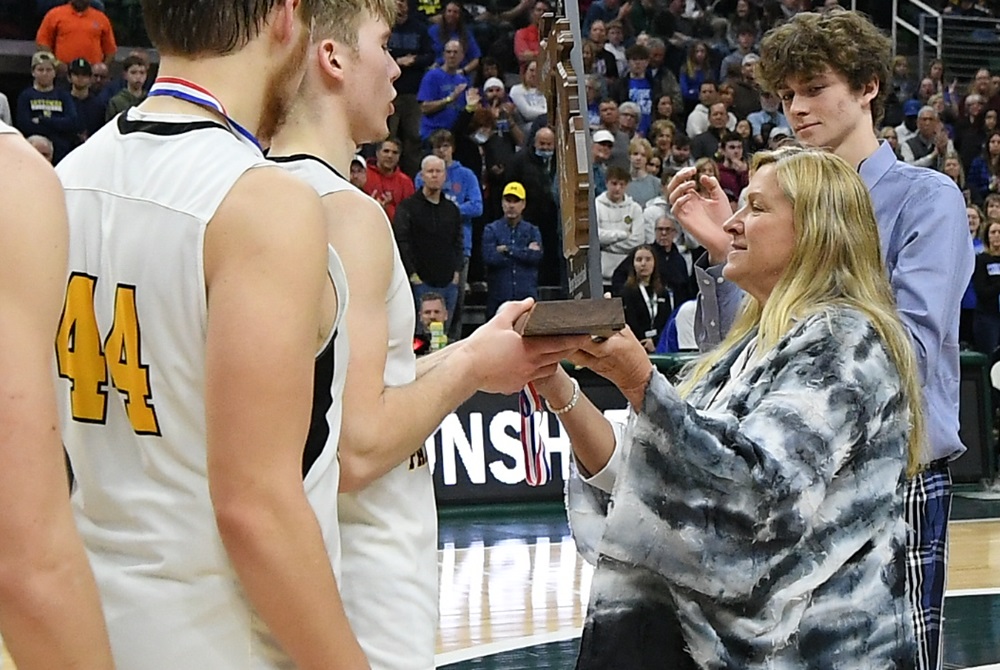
388, 530
131, 357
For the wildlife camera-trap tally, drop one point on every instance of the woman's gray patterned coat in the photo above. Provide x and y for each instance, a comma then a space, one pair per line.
758, 524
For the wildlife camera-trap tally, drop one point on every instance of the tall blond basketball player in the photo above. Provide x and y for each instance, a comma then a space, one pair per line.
388, 518
199, 358
50, 615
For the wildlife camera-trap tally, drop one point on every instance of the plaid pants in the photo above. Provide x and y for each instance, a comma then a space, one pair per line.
928, 504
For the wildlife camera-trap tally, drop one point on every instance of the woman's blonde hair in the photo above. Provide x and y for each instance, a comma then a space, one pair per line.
661, 126
836, 261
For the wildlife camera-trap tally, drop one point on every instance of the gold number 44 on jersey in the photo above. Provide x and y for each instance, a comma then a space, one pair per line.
88, 363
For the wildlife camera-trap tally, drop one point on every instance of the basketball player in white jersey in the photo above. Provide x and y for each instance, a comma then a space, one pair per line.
200, 326
50, 614
388, 519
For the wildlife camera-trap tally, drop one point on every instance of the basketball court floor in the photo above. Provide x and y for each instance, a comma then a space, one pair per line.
514, 591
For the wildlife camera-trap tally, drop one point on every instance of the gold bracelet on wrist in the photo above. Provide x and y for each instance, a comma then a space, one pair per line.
575, 398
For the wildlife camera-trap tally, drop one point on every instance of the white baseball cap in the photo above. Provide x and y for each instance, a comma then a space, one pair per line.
602, 136
780, 131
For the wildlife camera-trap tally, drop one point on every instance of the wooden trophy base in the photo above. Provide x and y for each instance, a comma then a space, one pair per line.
600, 317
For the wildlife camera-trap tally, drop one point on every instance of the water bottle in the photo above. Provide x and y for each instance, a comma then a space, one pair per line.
438, 338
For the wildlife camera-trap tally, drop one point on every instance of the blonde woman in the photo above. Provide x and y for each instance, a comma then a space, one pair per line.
758, 518
661, 136
888, 133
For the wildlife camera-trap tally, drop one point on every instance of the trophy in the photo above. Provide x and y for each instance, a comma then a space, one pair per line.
561, 74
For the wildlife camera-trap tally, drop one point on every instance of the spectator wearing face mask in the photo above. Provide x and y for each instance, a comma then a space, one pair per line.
535, 169
479, 147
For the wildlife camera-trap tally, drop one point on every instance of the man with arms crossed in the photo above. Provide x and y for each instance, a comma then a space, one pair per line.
388, 520
50, 614
830, 72
199, 295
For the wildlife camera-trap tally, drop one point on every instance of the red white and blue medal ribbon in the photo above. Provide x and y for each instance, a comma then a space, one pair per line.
536, 459
175, 87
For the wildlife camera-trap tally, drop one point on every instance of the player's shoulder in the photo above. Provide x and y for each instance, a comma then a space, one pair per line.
268, 218
20, 158
276, 180
360, 233
268, 193
361, 207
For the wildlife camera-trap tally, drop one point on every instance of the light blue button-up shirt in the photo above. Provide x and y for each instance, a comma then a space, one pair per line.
927, 251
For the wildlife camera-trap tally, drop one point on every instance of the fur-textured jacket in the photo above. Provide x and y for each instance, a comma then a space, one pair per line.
759, 522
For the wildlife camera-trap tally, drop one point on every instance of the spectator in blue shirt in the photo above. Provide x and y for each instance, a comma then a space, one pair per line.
983, 176
512, 250
602, 10
452, 27
769, 113
696, 70
637, 87
441, 92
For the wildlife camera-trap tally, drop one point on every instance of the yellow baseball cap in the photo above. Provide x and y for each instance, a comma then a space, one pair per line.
515, 189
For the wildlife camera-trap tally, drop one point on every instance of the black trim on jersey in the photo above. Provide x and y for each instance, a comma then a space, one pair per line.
126, 126
301, 157
319, 428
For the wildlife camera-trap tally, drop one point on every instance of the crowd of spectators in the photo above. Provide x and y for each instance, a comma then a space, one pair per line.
669, 84
71, 94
